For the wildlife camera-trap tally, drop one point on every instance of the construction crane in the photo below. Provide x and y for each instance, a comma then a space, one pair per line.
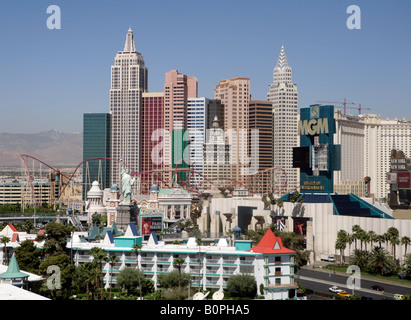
343, 103
359, 108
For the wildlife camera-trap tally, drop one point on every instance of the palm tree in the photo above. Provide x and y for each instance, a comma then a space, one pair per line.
137, 250
393, 238
365, 237
359, 258
405, 241
99, 255
380, 239
381, 261
372, 236
91, 273
356, 229
178, 262
340, 244
5, 241
112, 260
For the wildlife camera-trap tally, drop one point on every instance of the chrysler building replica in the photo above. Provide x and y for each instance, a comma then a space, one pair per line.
284, 96
128, 82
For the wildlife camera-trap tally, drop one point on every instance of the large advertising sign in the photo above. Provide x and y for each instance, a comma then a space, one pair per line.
404, 180
151, 224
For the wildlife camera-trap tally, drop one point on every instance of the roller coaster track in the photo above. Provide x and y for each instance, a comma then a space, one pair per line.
197, 188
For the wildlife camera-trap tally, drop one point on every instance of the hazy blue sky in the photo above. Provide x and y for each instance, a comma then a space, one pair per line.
49, 78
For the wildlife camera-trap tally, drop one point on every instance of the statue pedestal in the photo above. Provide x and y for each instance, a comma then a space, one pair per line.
126, 214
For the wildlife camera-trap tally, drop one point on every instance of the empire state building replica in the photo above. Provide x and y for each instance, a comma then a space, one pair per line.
128, 82
284, 96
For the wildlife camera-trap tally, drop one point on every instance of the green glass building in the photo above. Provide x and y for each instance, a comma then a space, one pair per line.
96, 144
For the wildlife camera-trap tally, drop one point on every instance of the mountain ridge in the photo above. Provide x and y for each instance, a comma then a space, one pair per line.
54, 147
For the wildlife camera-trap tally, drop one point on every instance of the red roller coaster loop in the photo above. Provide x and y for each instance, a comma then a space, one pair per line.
183, 184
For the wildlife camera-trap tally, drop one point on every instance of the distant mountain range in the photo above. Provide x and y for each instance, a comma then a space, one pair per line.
53, 147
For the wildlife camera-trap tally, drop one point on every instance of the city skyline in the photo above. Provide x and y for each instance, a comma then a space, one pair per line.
53, 77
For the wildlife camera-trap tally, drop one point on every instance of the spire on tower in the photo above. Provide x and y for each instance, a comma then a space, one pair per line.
282, 61
129, 45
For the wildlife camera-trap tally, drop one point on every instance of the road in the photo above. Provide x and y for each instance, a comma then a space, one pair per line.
322, 280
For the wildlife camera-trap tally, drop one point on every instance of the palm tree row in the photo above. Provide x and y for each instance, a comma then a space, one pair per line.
363, 238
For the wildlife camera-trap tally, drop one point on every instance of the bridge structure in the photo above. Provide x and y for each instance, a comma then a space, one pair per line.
71, 184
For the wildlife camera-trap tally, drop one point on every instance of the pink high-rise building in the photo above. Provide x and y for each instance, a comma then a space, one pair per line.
178, 88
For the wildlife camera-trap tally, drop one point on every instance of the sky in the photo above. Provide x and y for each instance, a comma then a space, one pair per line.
50, 77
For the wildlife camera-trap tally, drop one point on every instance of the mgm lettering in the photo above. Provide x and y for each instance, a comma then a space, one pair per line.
313, 127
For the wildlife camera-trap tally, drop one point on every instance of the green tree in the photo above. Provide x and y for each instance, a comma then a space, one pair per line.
99, 255
381, 262
66, 270
128, 279
341, 242
56, 238
91, 273
405, 241
359, 258
178, 262
5, 240
357, 231
172, 279
407, 266
28, 256
393, 238
242, 285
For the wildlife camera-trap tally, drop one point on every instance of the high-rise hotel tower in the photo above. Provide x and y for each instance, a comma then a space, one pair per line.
284, 96
128, 82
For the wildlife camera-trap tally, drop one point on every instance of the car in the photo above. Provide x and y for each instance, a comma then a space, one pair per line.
335, 289
377, 287
366, 298
344, 294
399, 297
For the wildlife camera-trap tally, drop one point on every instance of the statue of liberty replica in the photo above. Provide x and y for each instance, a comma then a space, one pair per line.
127, 211
126, 184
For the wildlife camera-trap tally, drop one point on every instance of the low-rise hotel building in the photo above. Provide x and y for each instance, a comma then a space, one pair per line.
269, 261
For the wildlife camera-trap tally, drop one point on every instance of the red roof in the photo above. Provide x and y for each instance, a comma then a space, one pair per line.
12, 228
270, 244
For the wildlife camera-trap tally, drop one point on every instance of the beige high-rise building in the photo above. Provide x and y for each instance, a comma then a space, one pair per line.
178, 88
128, 82
234, 94
216, 157
284, 96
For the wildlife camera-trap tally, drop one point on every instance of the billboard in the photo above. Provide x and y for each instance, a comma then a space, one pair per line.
151, 224
404, 180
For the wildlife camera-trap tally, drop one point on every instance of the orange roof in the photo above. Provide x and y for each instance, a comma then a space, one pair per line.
270, 244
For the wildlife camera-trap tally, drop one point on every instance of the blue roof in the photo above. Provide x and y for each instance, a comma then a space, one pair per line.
133, 228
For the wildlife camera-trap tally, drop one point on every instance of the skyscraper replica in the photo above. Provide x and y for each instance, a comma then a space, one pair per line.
234, 94
178, 88
128, 82
284, 96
